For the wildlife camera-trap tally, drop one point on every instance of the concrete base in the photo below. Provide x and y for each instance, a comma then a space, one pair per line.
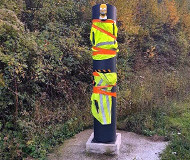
103, 148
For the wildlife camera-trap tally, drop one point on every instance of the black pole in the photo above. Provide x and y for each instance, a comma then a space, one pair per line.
105, 133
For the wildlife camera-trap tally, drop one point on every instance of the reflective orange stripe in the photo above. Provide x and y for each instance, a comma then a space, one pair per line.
106, 21
100, 87
103, 51
99, 91
95, 74
104, 31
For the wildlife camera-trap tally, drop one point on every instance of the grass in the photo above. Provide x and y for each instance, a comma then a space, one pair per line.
178, 125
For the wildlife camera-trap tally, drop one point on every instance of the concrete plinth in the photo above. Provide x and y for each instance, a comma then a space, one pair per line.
104, 148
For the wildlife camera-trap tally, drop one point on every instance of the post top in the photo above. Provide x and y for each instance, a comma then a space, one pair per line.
108, 11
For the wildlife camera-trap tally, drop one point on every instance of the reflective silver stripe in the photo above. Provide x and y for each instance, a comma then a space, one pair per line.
102, 105
105, 43
99, 84
108, 105
102, 109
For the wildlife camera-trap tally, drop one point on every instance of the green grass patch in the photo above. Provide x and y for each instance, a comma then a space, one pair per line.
179, 129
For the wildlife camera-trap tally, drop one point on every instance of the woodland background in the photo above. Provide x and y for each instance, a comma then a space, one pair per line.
46, 73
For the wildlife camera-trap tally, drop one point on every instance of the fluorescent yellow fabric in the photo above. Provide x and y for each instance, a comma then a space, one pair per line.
102, 104
99, 39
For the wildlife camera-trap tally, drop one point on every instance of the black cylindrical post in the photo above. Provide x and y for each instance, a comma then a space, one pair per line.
105, 133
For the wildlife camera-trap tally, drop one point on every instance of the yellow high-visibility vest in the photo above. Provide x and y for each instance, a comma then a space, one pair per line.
102, 96
103, 36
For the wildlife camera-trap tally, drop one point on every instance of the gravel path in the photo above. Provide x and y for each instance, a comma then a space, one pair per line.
133, 147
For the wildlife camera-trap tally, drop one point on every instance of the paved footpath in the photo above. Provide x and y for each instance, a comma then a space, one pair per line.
133, 147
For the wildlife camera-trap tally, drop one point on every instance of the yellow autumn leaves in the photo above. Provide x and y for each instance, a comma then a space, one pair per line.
137, 15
